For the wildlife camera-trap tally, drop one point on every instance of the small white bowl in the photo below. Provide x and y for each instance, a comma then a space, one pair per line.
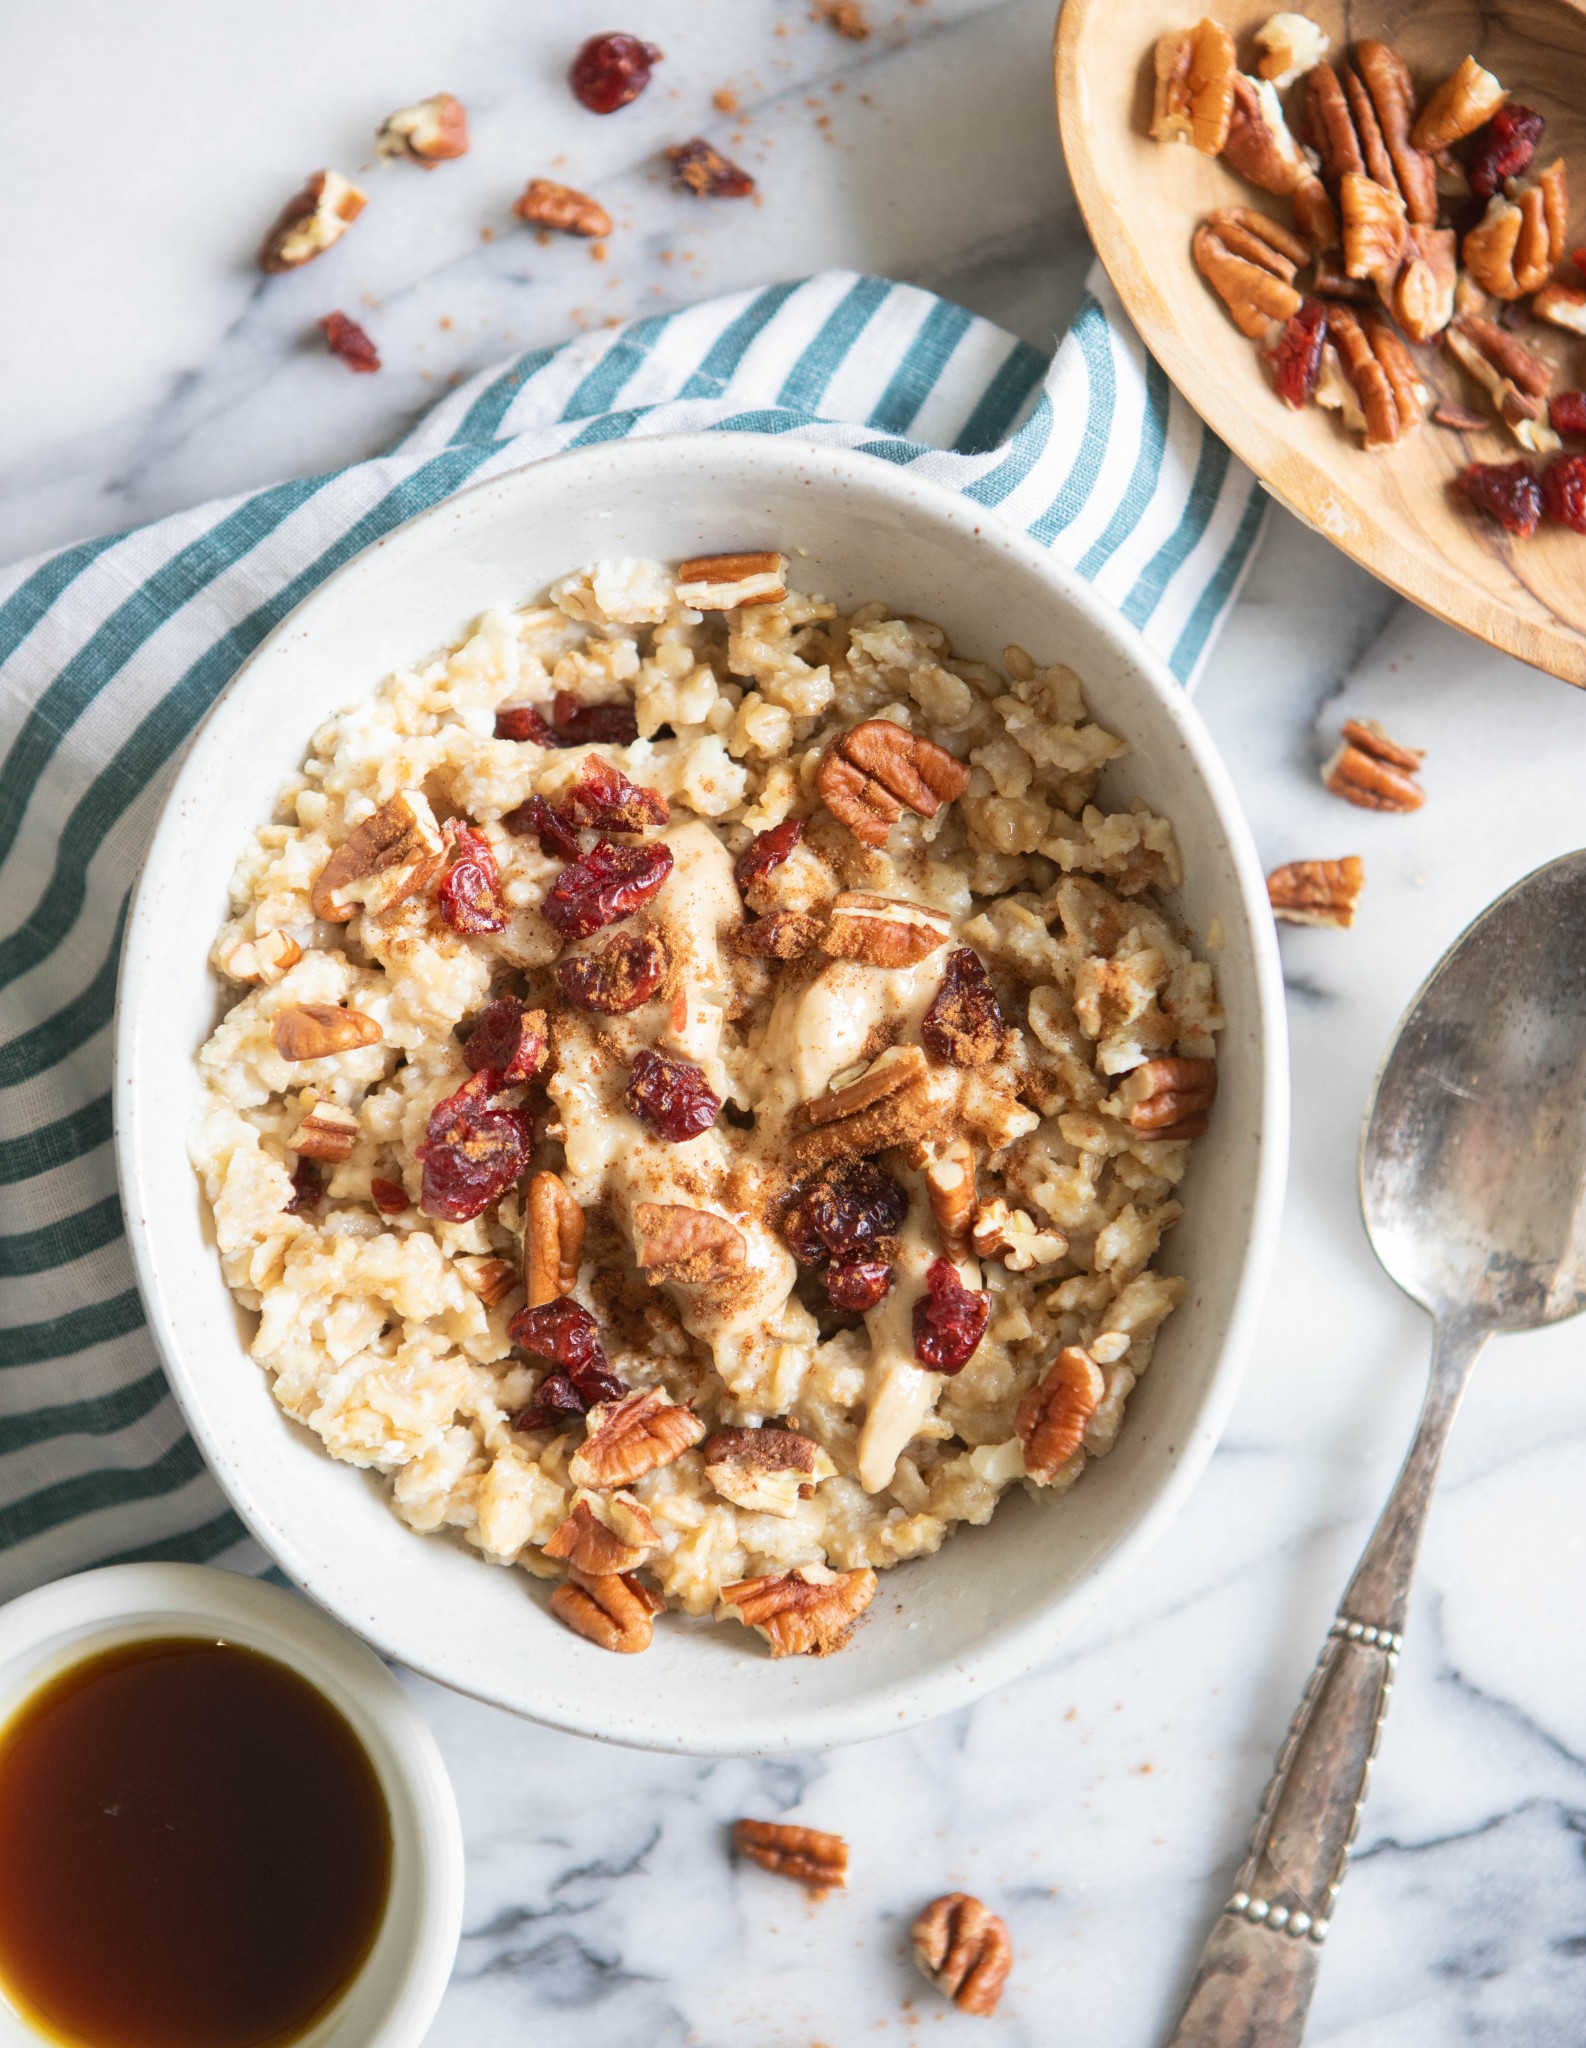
393, 1998
994, 1601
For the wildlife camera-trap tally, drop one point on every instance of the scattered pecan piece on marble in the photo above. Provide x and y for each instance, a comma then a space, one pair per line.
430, 132
723, 583
327, 1132
1194, 97
545, 204
1373, 771
1051, 1418
692, 1246
882, 931
630, 1437
311, 222
765, 1471
699, 167
313, 1031
963, 1947
801, 1613
870, 775
553, 1239
1317, 891
809, 1855
614, 1611
605, 1533
1167, 1098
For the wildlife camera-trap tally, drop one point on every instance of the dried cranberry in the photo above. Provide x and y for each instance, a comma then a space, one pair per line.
1566, 410
699, 167
390, 1197
604, 800
1503, 148
556, 833
308, 1190
508, 1039
555, 1404
472, 1151
562, 1332
1564, 491
624, 974
470, 890
610, 71
579, 725
1295, 360
346, 339
671, 1095
523, 722
857, 1285
1507, 491
609, 882
848, 1213
767, 850
963, 1025
949, 1320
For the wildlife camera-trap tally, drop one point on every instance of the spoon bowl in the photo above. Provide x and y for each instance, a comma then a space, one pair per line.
1393, 512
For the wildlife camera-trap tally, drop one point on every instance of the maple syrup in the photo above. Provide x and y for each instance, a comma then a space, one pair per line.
194, 1851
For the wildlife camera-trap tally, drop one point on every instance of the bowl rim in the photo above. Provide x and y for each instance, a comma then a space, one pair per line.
1019, 1645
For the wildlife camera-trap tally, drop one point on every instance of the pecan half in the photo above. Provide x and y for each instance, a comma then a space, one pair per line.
808, 1855
630, 1437
327, 1132
1460, 419
605, 1533
1010, 1236
1373, 771
1051, 1418
1259, 145
312, 1031
1508, 251
962, 1946
263, 960
882, 930
784, 935
1332, 126
800, 1616
396, 850
765, 1471
1422, 297
545, 204
491, 1279
1290, 44
1317, 891
430, 132
614, 1610
311, 221
871, 775
1460, 105
948, 1168
1254, 287
1194, 99
1387, 80
1496, 358
1316, 220
1561, 305
721, 583
1380, 372
693, 1246
890, 1103
1167, 1098
1375, 236
553, 1240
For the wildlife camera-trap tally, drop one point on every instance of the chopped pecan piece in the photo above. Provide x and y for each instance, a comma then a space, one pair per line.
1498, 360
1317, 891
801, 1613
722, 583
491, 1279
263, 960
948, 1168
1254, 287
1194, 100
1167, 1098
605, 1533
1317, 222
1561, 305
1375, 236
429, 133
1010, 1236
1422, 297
883, 931
553, 1240
784, 935
765, 1471
693, 1246
327, 1132
808, 1855
614, 1610
964, 1949
397, 850
963, 1025
545, 204
1373, 771
872, 774
312, 1031
1259, 145
890, 1103
1290, 45
1466, 98
630, 1437
1051, 1418
1459, 419
699, 167
311, 221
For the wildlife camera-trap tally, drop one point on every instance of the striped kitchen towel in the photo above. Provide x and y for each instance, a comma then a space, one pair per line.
112, 652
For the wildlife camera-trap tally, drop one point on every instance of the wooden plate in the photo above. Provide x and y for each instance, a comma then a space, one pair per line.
1394, 511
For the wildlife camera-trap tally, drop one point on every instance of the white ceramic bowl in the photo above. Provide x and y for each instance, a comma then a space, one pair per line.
993, 1601
392, 2000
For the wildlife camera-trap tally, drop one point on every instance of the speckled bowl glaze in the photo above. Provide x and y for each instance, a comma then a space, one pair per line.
994, 1601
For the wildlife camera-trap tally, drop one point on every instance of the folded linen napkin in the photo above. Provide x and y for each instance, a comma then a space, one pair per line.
111, 653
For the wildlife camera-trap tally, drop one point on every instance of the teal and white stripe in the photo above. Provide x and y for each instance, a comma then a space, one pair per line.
112, 652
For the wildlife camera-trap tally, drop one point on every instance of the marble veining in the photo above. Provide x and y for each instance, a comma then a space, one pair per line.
1101, 1804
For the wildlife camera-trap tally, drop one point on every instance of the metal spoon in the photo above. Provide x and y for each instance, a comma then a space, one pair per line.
1473, 1186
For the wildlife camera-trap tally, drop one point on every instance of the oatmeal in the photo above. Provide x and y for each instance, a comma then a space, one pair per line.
703, 1089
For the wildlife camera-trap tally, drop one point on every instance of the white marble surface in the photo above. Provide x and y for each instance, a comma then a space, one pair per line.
1100, 1804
